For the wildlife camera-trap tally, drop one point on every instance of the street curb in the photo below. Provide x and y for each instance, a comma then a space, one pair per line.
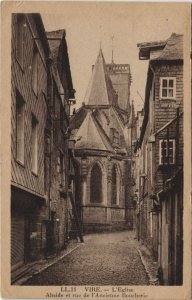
22, 280
152, 280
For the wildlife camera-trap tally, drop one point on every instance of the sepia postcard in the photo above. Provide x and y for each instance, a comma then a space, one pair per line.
95, 150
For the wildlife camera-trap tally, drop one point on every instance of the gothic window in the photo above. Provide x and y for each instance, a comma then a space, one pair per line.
96, 185
114, 187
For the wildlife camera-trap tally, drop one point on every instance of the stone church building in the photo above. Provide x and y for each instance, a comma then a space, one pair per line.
102, 133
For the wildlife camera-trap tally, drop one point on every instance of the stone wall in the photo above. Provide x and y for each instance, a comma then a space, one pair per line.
104, 215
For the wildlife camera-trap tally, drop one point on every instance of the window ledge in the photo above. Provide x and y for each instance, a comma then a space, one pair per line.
166, 166
20, 64
168, 99
34, 173
34, 92
96, 204
20, 163
115, 206
168, 103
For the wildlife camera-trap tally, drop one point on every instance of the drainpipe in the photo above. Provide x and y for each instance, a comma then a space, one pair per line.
177, 138
50, 173
152, 144
49, 67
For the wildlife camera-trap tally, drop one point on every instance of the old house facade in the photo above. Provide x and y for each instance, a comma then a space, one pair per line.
159, 152
60, 93
29, 113
39, 147
100, 129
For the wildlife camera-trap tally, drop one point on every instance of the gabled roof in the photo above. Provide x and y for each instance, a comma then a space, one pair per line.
54, 39
100, 90
59, 54
171, 49
91, 136
153, 44
77, 119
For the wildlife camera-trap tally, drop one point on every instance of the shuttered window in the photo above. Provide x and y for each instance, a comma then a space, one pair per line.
17, 240
34, 144
20, 38
20, 128
35, 70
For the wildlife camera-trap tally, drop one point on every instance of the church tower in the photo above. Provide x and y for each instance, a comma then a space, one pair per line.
120, 76
101, 151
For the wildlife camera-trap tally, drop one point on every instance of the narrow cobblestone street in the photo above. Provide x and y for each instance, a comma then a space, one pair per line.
103, 259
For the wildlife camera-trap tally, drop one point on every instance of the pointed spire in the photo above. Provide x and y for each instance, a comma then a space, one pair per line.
100, 37
112, 61
132, 115
100, 90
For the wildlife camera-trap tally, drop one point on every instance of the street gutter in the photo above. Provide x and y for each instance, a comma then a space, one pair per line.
45, 265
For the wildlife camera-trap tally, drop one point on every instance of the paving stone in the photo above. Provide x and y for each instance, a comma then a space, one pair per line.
104, 259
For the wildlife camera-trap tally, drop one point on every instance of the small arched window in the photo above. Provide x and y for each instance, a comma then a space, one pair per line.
114, 186
96, 185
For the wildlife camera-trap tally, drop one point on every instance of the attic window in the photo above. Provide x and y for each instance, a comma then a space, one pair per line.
168, 88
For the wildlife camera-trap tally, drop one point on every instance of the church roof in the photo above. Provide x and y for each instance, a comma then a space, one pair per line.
91, 136
100, 90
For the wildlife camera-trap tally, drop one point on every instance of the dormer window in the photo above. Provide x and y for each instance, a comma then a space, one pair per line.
168, 88
114, 136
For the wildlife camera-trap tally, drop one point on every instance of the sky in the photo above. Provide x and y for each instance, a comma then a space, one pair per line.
89, 25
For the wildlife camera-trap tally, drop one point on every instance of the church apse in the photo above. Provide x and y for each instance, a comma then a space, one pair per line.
102, 151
